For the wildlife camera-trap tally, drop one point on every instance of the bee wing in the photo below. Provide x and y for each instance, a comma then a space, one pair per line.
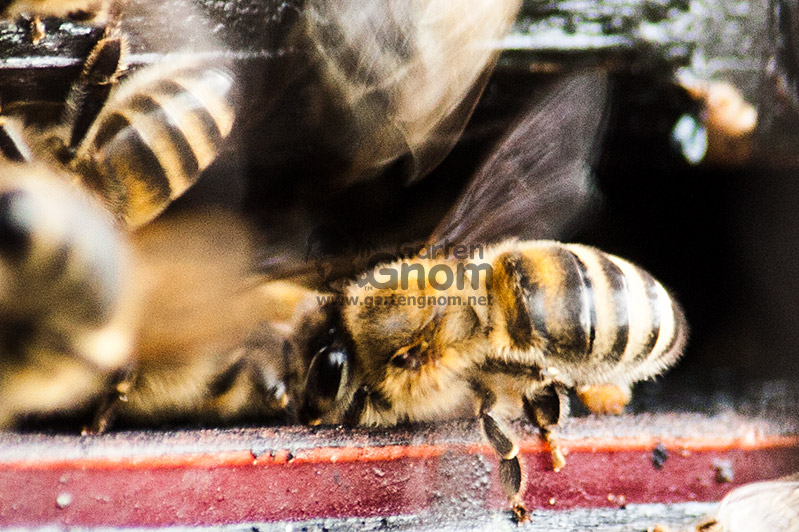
409, 73
772, 505
538, 181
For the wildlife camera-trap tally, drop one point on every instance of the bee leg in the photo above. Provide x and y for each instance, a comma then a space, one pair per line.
546, 409
274, 392
36, 29
511, 475
355, 410
101, 70
11, 144
107, 409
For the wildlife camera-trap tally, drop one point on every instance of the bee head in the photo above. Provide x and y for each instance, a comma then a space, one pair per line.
328, 376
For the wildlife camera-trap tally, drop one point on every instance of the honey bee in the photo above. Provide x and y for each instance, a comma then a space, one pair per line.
506, 332
100, 324
138, 144
64, 311
89, 294
195, 357
545, 317
531, 318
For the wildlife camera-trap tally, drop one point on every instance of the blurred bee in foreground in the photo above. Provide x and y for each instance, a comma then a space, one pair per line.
97, 322
771, 505
80, 294
504, 331
63, 320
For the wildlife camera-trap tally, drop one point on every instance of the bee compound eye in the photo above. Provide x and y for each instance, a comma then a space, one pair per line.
16, 217
327, 373
327, 377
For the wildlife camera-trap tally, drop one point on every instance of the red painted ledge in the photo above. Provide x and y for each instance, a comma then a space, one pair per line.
193, 478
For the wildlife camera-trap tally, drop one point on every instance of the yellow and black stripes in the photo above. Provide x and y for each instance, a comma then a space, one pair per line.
546, 297
585, 309
156, 135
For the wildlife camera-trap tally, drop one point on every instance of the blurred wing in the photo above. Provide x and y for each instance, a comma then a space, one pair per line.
772, 506
538, 181
407, 72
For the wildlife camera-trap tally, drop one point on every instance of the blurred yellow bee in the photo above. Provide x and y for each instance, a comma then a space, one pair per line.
75, 281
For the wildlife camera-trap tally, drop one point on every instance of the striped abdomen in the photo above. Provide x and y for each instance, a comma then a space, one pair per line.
155, 135
594, 315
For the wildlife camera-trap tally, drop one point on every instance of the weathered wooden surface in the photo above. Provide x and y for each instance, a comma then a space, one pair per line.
627, 472
712, 38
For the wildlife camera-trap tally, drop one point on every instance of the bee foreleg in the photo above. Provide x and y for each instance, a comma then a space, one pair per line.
511, 476
118, 391
546, 410
88, 95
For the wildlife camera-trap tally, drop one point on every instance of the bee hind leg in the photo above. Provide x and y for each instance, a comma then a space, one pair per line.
546, 410
101, 71
605, 398
511, 474
118, 390
36, 30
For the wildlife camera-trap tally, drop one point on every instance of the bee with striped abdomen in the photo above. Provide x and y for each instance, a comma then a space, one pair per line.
139, 143
532, 319
154, 137
132, 146
504, 333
